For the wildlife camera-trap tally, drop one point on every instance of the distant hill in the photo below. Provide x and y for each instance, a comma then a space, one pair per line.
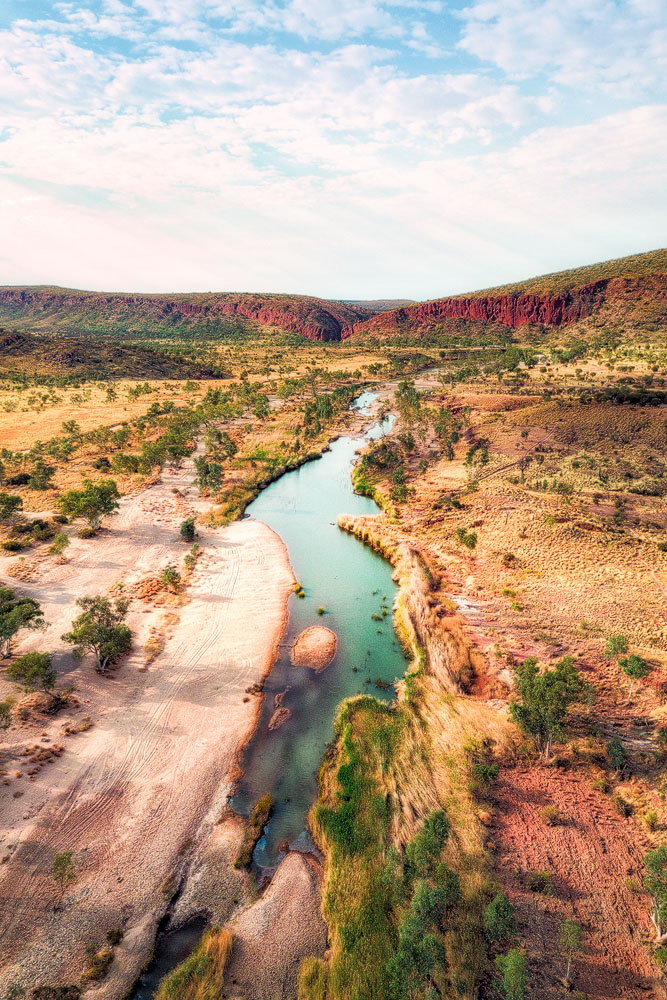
379, 305
211, 314
550, 300
73, 356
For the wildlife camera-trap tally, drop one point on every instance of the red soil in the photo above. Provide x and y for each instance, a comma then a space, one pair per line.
595, 858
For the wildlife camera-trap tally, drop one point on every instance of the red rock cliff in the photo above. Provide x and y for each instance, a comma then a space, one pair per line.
316, 319
511, 310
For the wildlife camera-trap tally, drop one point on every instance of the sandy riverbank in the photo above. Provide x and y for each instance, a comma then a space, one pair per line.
138, 793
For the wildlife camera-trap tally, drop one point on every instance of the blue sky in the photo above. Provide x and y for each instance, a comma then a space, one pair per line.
344, 148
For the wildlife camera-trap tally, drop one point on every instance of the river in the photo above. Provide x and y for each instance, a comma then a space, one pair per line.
354, 586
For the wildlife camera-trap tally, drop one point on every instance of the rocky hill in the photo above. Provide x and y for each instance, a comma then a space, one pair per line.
228, 314
550, 300
73, 356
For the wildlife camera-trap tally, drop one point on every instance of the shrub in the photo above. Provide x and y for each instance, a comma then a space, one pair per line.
99, 960
188, 529
59, 544
33, 672
13, 545
651, 819
616, 754
170, 577
9, 505
466, 538
622, 806
485, 773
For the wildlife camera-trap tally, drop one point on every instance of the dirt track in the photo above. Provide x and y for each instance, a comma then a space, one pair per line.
138, 792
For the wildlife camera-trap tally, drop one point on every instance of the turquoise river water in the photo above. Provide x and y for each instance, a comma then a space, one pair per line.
352, 583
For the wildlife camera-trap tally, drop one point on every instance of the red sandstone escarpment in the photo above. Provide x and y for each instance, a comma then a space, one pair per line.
315, 319
512, 310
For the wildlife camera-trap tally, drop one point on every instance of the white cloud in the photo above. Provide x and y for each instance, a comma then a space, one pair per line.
204, 143
615, 45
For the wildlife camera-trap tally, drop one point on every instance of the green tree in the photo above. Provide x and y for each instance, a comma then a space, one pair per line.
93, 502
9, 505
63, 871
100, 629
545, 699
569, 943
635, 667
514, 971
499, 920
615, 646
16, 613
655, 883
33, 672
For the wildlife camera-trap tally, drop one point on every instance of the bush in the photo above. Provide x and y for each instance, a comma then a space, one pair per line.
59, 544
514, 970
651, 819
9, 505
616, 754
170, 577
622, 806
188, 529
539, 882
499, 920
13, 545
551, 815
33, 672
466, 538
99, 961
615, 646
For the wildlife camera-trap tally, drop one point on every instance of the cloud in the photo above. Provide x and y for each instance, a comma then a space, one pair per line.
351, 147
613, 45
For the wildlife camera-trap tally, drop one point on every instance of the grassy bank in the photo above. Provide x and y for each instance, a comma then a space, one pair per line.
200, 977
390, 771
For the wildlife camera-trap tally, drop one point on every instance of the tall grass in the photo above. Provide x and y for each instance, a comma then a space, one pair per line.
200, 976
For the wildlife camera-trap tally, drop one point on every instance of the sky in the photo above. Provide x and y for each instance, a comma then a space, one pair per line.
341, 148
